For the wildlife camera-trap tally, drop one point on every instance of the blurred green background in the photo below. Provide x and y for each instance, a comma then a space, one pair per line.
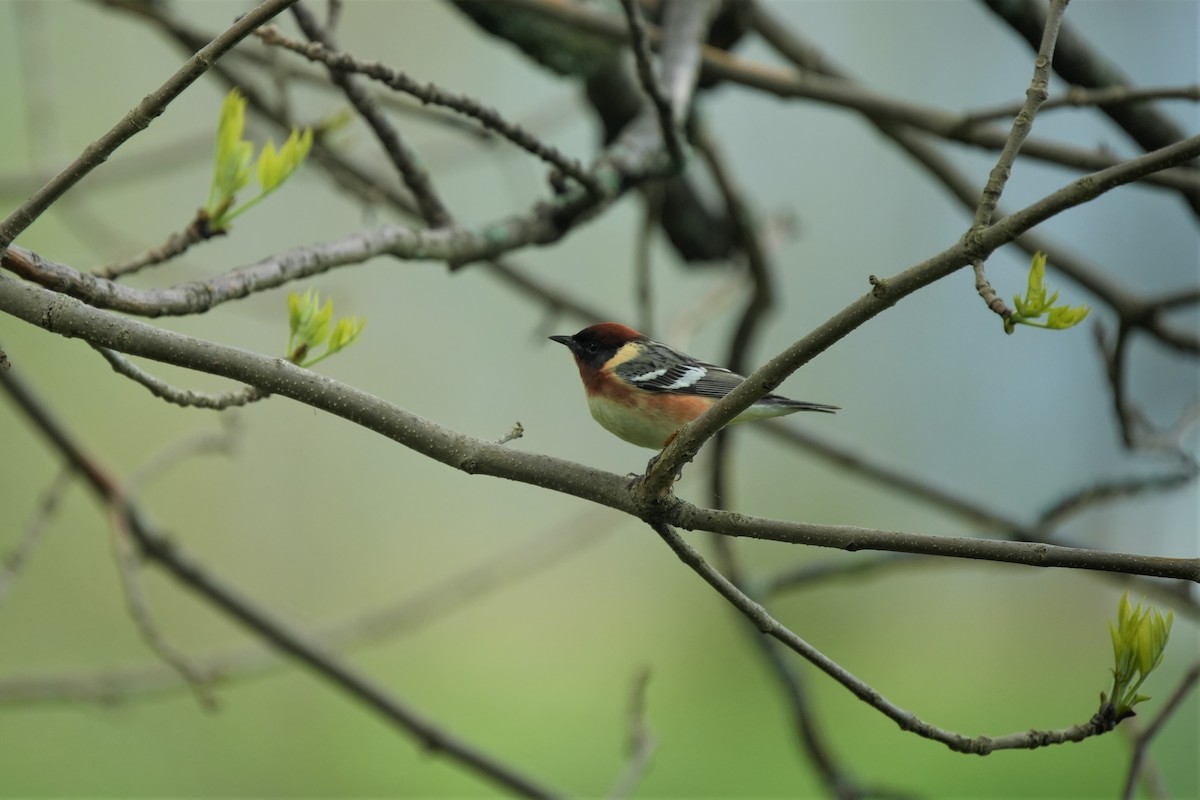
320, 520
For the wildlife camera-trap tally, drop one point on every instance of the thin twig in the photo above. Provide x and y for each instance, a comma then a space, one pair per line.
333, 14
176, 245
815, 573
187, 398
516, 432
14, 560
643, 261
1137, 433
1022, 124
1080, 63
639, 752
128, 566
1083, 499
416, 178
979, 745
1142, 742
1078, 97
222, 441
486, 116
554, 299
668, 118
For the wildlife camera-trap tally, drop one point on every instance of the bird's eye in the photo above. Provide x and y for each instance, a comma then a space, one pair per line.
592, 347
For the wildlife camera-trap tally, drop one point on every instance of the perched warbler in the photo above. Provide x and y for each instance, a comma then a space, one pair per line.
645, 391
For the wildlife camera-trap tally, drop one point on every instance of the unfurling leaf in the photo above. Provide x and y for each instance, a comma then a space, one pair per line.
1035, 304
1139, 641
309, 322
234, 159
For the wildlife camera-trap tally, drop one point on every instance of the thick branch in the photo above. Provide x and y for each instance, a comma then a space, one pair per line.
71, 318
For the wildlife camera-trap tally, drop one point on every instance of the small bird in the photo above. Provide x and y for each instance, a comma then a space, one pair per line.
644, 391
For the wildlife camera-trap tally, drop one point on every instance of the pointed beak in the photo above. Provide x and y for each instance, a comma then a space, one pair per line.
569, 341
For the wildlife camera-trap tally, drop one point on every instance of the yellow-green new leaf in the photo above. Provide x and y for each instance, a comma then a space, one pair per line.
1063, 317
345, 332
297, 305
1036, 303
317, 330
276, 166
1139, 644
231, 165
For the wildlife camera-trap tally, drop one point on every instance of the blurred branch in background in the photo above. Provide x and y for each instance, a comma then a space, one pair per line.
155, 547
18, 554
512, 566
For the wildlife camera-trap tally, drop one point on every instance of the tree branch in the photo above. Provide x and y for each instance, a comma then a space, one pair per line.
273, 630
68, 317
416, 178
888, 292
1022, 124
978, 745
137, 120
488, 117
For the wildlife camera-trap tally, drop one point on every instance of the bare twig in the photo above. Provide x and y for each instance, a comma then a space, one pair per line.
1137, 432
1142, 742
555, 300
979, 745
1022, 124
1078, 97
817, 572
517, 431
187, 398
639, 752
14, 560
128, 565
643, 261
333, 14
222, 441
176, 245
403, 159
486, 116
1082, 64
668, 118
1109, 491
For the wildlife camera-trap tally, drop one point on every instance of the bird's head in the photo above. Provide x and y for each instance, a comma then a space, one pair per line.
594, 346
